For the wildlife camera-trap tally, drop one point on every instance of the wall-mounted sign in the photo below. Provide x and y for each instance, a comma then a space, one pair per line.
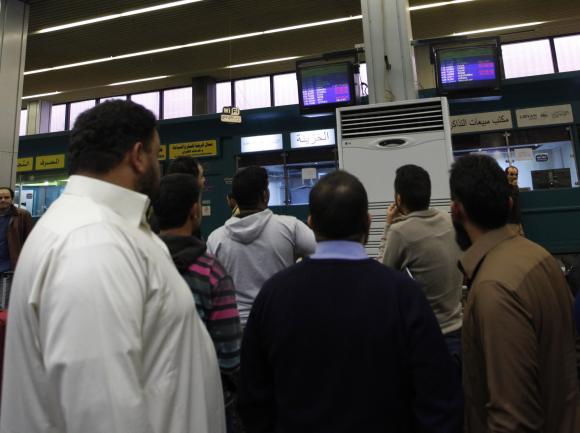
542, 157
231, 115
24, 164
539, 116
481, 122
162, 155
193, 148
525, 154
309, 173
262, 143
321, 137
49, 162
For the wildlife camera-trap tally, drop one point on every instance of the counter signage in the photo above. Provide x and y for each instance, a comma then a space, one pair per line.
24, 164
321, 137
49, 162
162, 155
193, 148
262, 143
542, 157
481, 122
540, 116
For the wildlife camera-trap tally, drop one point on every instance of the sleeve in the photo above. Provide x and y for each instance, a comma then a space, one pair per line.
90, 329
26, 225
256, 398
511, 361
305, 241
211, 243
438, 395
394, 254
382, 243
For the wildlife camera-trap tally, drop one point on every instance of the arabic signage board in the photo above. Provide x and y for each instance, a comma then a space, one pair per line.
320, 137
541, 116
49, 162
193, 148
482, 122
162, 155
24, 164
261, 143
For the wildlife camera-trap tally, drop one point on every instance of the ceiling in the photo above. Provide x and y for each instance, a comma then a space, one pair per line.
210, 19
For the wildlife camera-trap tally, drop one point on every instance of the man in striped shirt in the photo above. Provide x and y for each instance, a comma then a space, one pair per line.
178, 210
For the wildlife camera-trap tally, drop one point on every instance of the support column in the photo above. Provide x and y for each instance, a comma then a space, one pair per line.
204, 96
13, 34
38, 117
387, 37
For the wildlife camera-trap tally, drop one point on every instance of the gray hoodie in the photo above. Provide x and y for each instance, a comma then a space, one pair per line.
255, 247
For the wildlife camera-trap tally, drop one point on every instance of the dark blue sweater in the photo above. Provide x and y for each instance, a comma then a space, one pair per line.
346, 346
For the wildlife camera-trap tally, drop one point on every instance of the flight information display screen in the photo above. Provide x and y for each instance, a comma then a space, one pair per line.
467, 68
326, 85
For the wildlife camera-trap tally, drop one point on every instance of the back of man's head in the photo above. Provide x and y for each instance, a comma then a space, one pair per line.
177, 195
339, 208
103, 135
184, 165
413, 184
249, 186
481, 186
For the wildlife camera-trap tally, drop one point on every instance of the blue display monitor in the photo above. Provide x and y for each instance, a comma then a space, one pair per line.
467, 69
325, 87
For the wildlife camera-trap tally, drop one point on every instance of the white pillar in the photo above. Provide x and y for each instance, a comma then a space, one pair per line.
387, 36
13, 34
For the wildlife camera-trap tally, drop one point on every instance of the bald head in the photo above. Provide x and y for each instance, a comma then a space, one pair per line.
339, 208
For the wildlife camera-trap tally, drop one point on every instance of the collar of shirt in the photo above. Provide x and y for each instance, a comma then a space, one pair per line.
129, 204
471, 259
339, 250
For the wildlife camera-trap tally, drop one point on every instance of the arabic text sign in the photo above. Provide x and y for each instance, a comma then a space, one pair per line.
554, 115
261, 143
162, 155
24, 164
321, 137
481, 122
49, 162
193, 148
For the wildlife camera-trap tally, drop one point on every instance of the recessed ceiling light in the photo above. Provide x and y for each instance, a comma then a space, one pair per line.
438, 4
140, 80
262, 62
499, 29
116, 16
194, 44
40, 95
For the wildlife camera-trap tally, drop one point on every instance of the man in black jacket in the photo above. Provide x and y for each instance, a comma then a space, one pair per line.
341, 343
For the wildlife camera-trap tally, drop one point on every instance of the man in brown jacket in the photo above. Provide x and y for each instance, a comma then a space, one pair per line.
518, 340
15, 225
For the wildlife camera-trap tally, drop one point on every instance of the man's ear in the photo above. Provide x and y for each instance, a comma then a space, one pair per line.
457, 211
138, 157
266, 197
309, 221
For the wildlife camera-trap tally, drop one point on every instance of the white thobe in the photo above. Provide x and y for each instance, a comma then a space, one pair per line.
103, 334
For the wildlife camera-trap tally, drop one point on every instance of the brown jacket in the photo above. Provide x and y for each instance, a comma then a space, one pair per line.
18, 229
518, 339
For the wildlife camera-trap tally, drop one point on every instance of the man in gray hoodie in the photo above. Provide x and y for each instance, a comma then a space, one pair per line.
256, 243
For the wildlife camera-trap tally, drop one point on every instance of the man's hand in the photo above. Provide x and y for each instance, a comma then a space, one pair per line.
392, 213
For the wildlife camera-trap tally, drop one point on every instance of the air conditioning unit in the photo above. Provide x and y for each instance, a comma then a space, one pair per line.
374, 140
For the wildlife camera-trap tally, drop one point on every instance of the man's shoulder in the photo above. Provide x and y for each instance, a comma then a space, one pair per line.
209, 266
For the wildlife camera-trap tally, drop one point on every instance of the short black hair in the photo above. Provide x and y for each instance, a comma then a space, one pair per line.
177, 194
481, 186
249, 185
103, 135
338, 206
10, 190
184, 165
413, 184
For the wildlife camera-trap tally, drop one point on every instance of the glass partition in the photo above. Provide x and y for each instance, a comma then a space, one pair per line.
36, 192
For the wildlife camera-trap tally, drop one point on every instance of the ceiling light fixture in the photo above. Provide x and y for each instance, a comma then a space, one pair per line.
195, 44
116, 16
40, 95
438, 4
263, 62
140, 80
499, 29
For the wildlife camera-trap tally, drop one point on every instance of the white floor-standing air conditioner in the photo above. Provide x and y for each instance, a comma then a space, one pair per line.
374, 140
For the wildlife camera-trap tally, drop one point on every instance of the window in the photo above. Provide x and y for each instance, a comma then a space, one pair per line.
285, 89
526, 59
23, 121
568, 53
253, 93
57, 118
113, 98
148, 100
76, 108
178, 103
223, 95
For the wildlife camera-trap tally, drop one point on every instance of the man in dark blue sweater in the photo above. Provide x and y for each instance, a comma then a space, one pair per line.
341, 343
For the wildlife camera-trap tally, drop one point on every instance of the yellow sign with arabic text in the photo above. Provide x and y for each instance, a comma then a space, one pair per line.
162, 155
24, 164
49, 162
193, 148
